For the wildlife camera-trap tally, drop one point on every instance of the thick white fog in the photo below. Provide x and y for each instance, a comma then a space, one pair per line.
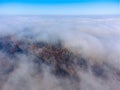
97, 39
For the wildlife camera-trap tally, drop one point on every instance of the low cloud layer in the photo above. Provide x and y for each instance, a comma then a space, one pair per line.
93, 43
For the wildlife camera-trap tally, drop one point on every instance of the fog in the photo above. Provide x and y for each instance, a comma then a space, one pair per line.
96, 39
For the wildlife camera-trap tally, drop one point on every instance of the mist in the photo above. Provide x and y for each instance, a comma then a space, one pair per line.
92, 44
